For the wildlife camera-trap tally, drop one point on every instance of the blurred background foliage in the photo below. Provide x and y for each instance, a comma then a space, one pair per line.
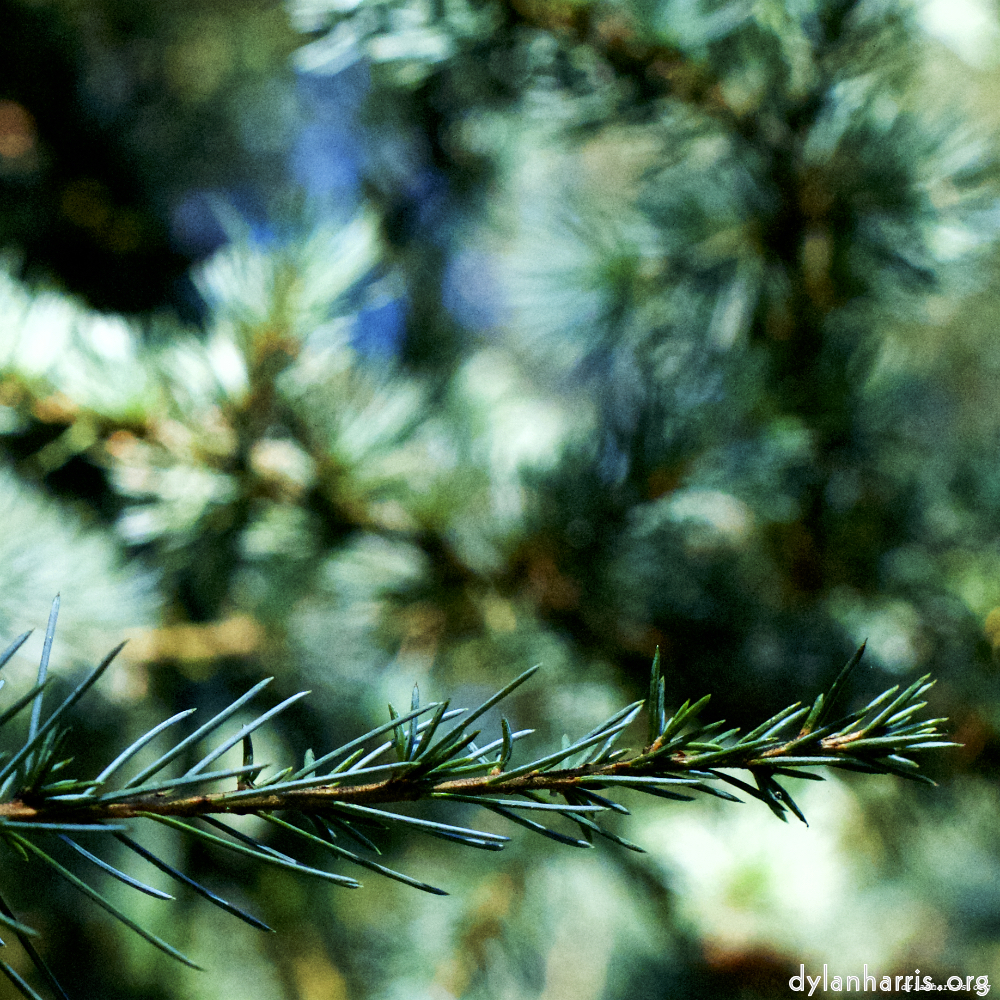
371, 341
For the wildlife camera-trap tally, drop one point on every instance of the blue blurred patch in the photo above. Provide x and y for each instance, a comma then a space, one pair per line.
326, 156
322, 162
204, 220
470, 291
378, 331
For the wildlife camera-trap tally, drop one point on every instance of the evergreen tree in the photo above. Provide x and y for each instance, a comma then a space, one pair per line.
424, 341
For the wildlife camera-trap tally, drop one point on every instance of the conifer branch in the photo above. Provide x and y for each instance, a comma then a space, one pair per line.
433, 763
682, 752
658, 69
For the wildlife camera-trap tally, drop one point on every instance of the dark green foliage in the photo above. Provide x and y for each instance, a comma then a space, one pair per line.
560, 331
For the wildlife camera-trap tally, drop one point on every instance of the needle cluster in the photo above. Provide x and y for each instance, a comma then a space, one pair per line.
344, 796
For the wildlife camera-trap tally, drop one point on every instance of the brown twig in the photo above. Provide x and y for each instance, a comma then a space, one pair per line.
396, 789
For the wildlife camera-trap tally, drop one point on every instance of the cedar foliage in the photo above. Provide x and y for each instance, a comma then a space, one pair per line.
393, 340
